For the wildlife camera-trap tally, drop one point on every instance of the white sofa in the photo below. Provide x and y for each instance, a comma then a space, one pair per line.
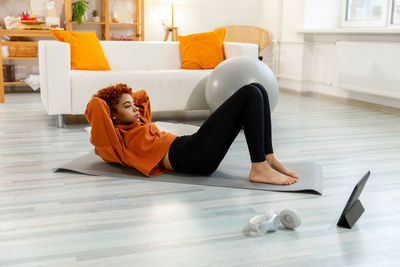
150, 65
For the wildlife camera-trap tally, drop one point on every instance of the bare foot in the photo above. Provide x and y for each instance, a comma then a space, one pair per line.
277, 165
261, 172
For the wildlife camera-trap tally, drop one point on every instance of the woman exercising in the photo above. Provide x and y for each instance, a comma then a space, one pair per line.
122, 132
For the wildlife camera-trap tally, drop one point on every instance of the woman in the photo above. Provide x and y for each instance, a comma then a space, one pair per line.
122, 132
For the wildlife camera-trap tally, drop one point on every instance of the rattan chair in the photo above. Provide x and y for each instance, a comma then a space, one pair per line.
247, 34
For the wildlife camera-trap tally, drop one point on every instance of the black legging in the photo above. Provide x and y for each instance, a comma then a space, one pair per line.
203, 151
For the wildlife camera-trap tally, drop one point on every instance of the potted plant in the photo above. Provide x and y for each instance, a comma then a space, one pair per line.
78, 11
95, 16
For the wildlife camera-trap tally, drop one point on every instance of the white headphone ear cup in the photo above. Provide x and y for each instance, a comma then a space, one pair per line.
271, 222
254, 223
289, 218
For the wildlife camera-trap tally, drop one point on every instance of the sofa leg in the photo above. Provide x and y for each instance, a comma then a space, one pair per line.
60, 121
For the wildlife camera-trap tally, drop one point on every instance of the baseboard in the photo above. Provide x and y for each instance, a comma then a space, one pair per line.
349, 101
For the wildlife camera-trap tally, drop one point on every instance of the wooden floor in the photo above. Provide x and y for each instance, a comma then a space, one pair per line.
61, 219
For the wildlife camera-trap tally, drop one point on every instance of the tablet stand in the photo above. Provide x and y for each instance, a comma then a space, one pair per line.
350, 217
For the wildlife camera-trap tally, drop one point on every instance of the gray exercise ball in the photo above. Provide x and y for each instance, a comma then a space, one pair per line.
231, 74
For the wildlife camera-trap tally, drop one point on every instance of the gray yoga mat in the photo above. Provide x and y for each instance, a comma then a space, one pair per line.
229, 174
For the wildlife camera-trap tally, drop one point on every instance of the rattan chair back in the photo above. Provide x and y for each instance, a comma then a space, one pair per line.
247, 34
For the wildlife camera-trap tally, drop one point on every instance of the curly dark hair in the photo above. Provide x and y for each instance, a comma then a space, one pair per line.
112, 94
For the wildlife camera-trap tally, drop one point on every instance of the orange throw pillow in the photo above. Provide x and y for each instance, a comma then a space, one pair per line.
86, 51
202, 50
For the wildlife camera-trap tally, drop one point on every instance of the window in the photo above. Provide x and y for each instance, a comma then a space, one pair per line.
396, 12
370, 13
364, 10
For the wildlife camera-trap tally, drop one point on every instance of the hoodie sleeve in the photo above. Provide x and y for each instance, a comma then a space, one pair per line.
103, 135
142, 101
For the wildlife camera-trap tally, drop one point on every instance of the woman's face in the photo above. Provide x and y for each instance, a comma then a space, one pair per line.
126, 111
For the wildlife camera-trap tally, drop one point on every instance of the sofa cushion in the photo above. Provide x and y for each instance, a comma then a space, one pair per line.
202, 50
184, 89
86, 51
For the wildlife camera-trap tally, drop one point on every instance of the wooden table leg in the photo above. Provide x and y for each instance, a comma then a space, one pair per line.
175, 34
167, 34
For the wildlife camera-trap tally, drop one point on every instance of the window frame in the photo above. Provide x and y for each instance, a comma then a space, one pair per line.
391, 16
384, 22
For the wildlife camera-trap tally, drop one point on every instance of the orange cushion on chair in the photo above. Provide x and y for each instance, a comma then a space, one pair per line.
202, 50
86, 51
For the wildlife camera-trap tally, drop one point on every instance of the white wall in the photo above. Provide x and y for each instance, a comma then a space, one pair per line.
201, 15
289, 48
362, 66
322, 14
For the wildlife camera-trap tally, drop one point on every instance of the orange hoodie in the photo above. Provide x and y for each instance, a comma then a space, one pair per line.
140, 145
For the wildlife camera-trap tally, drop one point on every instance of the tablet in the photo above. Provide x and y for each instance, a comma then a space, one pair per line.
354, 197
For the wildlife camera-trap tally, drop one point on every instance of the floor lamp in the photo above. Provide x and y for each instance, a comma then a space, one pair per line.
172, 28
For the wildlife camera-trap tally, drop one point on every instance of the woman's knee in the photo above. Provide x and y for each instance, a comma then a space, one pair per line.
253, 92
261, 88
258, 85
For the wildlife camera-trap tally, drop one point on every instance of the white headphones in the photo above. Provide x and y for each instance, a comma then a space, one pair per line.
270, 222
